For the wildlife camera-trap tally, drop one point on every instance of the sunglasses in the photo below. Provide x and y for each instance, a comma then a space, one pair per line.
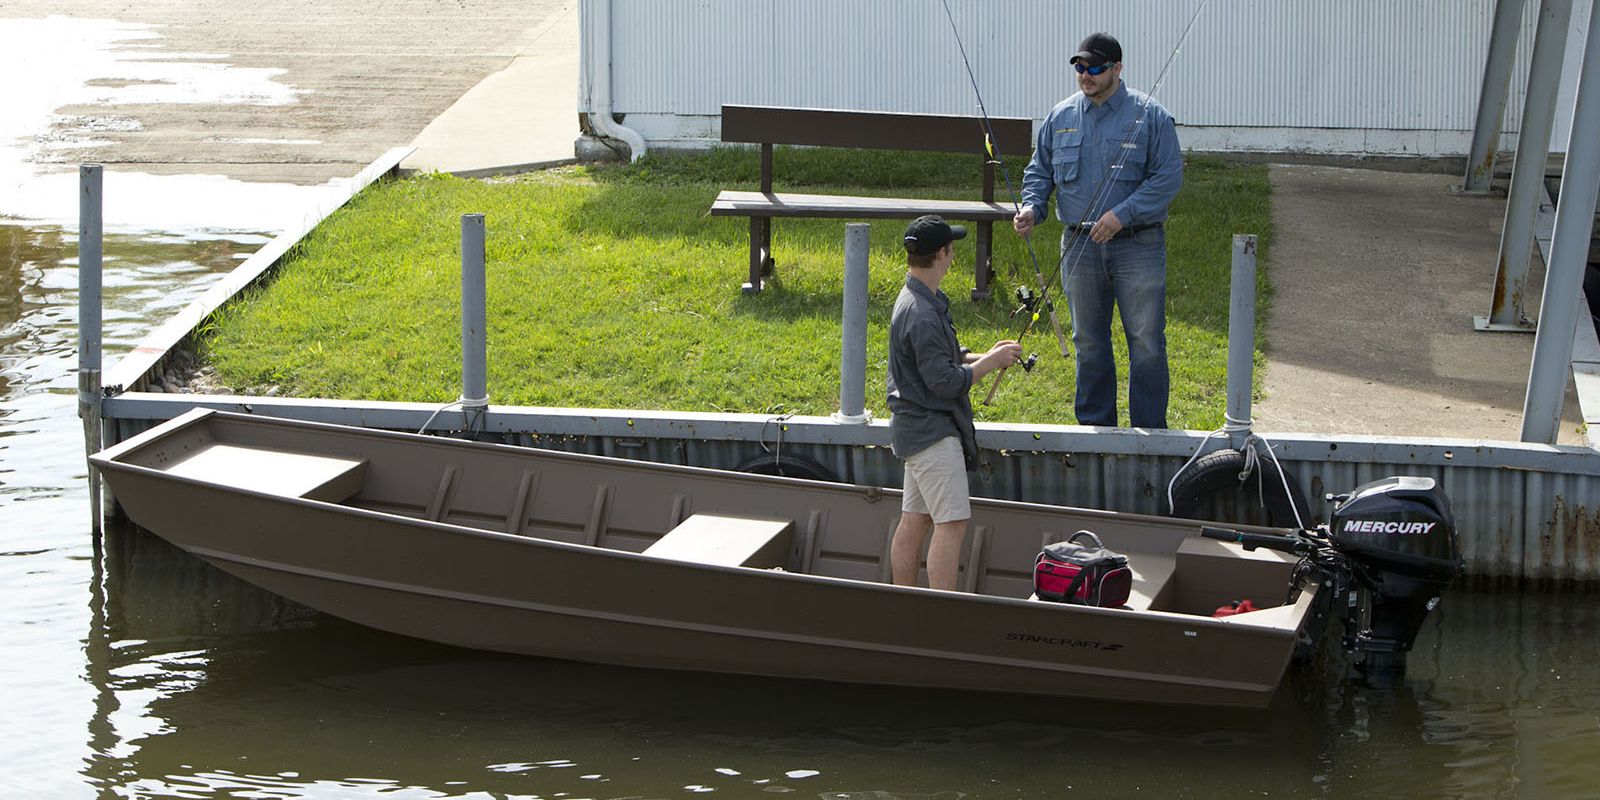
1091, 70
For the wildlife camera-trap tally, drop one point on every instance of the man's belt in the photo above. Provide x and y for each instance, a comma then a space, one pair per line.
1127, 230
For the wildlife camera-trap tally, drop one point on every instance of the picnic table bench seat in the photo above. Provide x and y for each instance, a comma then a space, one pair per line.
787, 204
769, 125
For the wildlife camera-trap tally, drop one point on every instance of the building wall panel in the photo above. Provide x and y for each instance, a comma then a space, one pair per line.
1382, 67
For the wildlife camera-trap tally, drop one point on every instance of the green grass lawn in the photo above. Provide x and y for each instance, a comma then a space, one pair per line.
610, 286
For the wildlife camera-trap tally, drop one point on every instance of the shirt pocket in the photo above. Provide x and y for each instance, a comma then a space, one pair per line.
1066, 152
1131, 154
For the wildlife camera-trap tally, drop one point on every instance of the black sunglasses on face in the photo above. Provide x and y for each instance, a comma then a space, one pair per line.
1091, 70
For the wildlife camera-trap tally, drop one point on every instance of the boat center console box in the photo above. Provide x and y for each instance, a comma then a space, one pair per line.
1208, 574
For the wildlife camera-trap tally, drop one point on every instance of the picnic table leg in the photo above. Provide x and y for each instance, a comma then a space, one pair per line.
983, 266
760, 253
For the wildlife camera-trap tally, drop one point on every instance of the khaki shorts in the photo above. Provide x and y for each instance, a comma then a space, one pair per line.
936, 483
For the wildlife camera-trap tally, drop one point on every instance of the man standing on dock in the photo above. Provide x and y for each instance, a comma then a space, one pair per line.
1111, 155
930, 374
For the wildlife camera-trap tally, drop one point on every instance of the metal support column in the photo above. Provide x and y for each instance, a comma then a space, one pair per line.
1533, 148
853, 354
1492, 97
1241, 338
474, 340
90, 251
1569, 251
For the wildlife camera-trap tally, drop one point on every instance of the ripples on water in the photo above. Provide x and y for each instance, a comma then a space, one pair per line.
220, 689
134, 670
46, 553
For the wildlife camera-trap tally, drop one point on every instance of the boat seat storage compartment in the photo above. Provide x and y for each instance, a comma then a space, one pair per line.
324, 478
727, 541
1210, 574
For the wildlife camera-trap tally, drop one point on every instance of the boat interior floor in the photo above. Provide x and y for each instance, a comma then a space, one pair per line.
1191, 576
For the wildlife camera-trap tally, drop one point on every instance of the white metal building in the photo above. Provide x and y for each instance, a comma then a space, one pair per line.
1373, 77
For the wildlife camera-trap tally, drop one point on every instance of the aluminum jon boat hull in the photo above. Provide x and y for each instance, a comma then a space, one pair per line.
609, 560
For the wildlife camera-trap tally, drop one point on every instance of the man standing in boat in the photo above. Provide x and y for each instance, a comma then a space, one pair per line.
1110, 155
930, 374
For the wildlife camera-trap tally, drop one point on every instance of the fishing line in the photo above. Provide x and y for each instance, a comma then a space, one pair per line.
1016, 206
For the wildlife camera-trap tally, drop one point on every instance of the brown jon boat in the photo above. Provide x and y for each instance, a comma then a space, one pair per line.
624, 562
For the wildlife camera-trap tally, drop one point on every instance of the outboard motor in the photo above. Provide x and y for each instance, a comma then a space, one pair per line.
1399, 539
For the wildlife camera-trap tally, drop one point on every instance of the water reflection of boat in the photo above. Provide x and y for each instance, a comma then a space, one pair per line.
607, 560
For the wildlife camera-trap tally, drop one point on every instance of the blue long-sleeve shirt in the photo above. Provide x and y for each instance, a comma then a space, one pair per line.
1079, 143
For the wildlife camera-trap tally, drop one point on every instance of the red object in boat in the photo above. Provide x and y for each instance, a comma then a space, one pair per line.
1236, 607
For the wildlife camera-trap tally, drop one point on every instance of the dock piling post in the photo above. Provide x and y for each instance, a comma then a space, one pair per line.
474, 339
1559, 312
853, 354
90, 253
1241, 338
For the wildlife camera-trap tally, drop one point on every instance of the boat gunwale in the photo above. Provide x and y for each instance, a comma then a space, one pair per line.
199, 414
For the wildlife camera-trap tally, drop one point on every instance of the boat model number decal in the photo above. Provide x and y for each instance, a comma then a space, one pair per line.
1063, 641
1379, 526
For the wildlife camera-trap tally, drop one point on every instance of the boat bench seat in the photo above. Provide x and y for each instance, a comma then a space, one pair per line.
727, 541
330, 480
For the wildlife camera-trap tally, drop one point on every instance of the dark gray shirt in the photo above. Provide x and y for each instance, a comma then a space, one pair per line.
927, 382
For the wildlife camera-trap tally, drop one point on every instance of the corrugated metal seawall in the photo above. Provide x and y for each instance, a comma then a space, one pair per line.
1249, 70
1524, 512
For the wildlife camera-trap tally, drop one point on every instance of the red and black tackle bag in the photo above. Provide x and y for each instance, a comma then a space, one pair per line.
1085, 574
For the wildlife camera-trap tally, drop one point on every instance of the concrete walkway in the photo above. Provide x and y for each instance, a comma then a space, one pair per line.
1377, 277
297, 91
520, 118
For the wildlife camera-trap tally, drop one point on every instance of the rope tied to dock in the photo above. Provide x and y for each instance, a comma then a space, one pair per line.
1251, 448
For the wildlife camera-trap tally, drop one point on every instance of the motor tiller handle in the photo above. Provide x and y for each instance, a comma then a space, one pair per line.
1286, 544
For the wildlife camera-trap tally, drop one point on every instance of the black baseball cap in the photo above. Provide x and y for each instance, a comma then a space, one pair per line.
1097, 49
926, 234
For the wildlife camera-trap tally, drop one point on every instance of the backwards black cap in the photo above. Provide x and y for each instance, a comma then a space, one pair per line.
926, 234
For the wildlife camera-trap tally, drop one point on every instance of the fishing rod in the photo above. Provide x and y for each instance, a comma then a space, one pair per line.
1029, 301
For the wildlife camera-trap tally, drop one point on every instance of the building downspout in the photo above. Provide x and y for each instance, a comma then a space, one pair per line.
596, 25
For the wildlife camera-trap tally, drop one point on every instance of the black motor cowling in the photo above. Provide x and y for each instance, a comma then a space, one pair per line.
1400, 540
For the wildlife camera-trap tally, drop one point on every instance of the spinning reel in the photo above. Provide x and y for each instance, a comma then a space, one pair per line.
1028, 301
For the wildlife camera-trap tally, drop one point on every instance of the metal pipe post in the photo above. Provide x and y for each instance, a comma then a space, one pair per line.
1241, 338
1527, 172
474, 340
853, 355
1492, 97
1563, 285
90, 252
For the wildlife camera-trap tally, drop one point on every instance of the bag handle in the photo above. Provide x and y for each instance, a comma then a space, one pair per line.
1090, 534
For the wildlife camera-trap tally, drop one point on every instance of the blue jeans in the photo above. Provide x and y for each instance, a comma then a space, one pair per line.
1130, 271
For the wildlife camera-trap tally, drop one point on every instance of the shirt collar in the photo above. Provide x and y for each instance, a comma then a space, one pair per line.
940, 300
1113, 103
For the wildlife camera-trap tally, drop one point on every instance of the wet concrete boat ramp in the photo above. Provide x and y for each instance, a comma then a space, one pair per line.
1373, 367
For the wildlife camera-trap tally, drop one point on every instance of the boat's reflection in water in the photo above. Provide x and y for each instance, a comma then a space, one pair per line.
208, 686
